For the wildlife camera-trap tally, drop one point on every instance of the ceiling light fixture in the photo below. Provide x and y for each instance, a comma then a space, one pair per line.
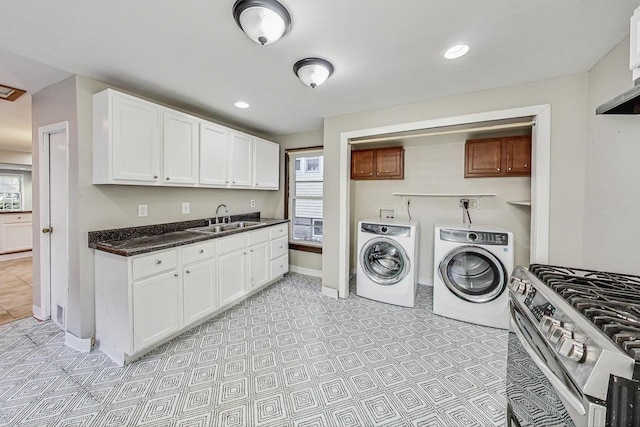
242, 104
313, 71
9, 93
264, 21
456, 51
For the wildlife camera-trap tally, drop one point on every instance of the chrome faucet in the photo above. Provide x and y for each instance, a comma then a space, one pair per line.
225, 210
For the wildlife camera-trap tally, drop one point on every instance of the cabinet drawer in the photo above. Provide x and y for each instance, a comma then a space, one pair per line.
10, 218
199, 252
231, 243
279, 266
157, 262
280, 230
258, 236
279, 247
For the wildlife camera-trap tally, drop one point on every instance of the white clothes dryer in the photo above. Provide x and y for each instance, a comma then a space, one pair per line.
472, 265
387, 268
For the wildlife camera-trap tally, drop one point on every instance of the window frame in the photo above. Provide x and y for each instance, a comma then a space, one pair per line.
313, 247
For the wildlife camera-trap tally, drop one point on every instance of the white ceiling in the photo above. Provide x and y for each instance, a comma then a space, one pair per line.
191, 53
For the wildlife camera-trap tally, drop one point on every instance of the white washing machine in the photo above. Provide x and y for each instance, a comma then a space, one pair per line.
472, 265
387, 261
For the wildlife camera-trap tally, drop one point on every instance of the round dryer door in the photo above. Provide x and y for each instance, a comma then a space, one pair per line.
384, 261
473, 274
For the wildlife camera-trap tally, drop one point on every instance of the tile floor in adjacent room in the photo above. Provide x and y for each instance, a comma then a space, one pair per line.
16, 289
287, 356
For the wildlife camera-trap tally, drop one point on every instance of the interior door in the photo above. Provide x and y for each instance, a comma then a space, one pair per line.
59, 224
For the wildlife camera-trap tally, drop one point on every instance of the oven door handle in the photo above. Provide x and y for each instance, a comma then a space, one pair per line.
553, 379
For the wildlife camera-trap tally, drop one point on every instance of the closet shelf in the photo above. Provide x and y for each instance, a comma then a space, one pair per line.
446, 194
519, 202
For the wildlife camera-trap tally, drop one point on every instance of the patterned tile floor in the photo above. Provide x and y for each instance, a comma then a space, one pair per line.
16, 289
287, 356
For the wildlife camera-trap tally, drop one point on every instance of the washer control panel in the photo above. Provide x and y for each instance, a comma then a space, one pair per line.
386, 229
478, 237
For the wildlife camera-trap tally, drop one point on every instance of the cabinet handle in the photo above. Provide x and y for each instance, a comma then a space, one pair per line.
281, 266
201, 251
188, 272
158, 261
251, 250
377, 173
175, 275
155, 176
498, 169
226, 182
233, 182
168, 178
526, 166
509, 168
280, 246
386, 171
21, 217
361, 171
370, 173
244, 253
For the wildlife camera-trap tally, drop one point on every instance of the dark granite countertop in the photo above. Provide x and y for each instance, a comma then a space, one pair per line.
149, 238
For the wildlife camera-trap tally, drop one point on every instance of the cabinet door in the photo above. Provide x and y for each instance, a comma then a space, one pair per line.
200, 291
266, 170
259, 268
390, 163
180, 148
362, 164
241, 151
483, 157
156, 309
232, 276
519, 155
214, 155
15, 237
135, 146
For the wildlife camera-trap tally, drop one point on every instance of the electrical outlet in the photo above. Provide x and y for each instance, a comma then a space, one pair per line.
142, 210
186, 207
253, 203
473, 203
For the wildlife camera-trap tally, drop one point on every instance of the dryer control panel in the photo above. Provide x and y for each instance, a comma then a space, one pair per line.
477, 237
386, 229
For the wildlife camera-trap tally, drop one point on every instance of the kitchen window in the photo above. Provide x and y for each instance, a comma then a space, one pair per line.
304, 169
10, 192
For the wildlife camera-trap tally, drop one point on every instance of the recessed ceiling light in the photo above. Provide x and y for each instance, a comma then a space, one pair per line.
242, 104
456, 51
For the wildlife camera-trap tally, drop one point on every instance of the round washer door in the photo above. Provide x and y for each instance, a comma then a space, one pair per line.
384, 261
473, 274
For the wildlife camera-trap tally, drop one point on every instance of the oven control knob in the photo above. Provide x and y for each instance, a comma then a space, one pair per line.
556, 332
571, 348
518, 286
546, 323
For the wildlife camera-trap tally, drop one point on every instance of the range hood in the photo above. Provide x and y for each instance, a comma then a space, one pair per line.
629, 101
626, 103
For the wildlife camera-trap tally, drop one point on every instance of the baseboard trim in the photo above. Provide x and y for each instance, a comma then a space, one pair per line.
83, 345
38, 313
425, 281
306, 271
329, 292
16, 255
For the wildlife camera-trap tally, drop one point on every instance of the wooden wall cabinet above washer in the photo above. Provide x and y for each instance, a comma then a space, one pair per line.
495, 157
379, 163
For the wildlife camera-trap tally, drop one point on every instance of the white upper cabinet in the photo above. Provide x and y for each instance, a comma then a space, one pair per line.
126, 146
266, 167
214, 155
180, 148
241, 159
136, 142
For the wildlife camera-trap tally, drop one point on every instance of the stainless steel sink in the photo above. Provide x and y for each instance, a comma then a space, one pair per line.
221, 228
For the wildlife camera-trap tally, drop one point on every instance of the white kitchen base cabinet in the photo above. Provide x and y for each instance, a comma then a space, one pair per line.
16, 232
145, 300
157, 309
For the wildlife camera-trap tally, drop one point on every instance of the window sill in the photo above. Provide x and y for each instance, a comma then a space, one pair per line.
303, 247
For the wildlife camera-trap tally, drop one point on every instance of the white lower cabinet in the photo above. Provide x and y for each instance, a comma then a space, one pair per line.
15, 233
156, 309
144, 300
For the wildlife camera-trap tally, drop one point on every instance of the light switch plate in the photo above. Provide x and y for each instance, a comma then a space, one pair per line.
186, 207
142, 210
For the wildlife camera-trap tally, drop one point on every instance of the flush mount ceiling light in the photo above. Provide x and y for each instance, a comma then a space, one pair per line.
456, 51
313, 71
9, 93
264, 21
242, 104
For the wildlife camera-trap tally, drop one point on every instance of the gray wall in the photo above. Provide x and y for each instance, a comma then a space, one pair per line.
568, 99
612, 184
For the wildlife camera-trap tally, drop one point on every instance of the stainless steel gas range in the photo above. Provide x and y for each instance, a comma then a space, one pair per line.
574, 354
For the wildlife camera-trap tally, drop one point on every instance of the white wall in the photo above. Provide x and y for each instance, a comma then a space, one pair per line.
612, 184
567, 97
436, 165
97, 207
